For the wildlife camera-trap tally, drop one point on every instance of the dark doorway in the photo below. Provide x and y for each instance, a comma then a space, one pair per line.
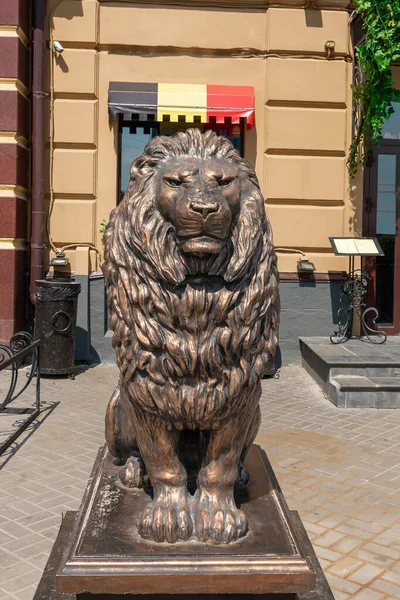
382, 219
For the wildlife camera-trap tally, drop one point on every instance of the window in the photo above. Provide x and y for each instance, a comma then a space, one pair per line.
134, 135
391, 127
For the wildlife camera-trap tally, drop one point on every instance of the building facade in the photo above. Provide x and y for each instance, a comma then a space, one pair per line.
273, 75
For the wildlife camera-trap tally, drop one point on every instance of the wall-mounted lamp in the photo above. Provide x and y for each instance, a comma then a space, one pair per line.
58, 48
330, 48
60, 260
305, 266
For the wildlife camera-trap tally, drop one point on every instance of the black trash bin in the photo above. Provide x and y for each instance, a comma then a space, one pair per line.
55, 324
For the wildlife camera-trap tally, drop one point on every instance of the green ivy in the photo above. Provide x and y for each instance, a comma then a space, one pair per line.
375, 93
103, 226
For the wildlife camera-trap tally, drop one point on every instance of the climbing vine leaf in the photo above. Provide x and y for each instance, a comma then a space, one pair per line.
374, 93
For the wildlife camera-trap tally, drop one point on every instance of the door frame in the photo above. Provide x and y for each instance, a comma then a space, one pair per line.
369, 228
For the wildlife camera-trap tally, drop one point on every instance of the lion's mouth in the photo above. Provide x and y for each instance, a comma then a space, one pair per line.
201, 246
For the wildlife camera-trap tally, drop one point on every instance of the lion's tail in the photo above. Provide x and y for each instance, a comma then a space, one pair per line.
120, 435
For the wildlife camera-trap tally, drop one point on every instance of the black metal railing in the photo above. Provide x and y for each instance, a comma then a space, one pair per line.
22, 350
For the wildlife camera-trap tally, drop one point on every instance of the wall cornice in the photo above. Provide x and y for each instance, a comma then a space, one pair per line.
242, 4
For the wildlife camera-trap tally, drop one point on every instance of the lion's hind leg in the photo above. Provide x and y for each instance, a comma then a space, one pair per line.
133, 473
121, 441
243, 474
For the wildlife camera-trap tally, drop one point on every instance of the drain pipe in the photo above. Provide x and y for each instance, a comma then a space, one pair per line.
38, 151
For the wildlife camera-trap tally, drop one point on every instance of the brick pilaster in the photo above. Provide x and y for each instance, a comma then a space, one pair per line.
14, 163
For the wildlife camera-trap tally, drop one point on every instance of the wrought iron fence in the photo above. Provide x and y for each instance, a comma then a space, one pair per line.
352, 295
13, 357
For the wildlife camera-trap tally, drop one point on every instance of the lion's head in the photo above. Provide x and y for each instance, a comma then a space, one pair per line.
190, 269
193, 205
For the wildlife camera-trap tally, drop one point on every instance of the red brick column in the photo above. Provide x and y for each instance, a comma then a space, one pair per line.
14, 163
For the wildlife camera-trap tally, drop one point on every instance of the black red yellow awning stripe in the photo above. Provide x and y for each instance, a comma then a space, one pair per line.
181, 101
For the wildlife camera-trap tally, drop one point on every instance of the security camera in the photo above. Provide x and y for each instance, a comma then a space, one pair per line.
58, 48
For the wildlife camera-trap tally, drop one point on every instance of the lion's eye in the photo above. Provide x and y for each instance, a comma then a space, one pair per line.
173, 182
225, 182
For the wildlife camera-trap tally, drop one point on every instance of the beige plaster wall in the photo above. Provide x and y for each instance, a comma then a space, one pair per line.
303, 110
306, 30
181, 28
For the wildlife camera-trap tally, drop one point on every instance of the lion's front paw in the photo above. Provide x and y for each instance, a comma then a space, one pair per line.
166, 519
218, 520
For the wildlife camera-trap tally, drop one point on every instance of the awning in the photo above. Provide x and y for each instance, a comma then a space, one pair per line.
181, 102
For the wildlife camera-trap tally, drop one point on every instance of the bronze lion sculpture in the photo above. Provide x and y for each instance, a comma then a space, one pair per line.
192, 288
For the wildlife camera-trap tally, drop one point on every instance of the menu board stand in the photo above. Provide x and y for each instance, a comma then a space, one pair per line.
354, 290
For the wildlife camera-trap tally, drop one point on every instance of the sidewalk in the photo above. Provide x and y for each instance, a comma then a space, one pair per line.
339, 468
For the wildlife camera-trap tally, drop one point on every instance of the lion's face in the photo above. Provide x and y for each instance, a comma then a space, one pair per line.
193, 207
201, 198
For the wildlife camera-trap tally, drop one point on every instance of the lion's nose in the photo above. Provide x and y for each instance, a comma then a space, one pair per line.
205, 208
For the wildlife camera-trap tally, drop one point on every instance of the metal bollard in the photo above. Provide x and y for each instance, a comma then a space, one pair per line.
55, 324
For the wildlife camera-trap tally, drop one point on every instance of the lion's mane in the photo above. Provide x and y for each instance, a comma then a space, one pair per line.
192, 337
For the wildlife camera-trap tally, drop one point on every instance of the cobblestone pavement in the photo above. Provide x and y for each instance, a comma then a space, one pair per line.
339, 467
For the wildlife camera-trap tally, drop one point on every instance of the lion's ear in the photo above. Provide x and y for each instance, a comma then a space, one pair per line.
247, 232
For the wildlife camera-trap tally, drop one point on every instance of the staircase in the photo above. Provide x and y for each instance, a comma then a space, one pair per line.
356, 374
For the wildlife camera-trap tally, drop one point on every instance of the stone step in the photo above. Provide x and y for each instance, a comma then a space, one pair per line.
353, 355
356, 391
367, 370
357, 374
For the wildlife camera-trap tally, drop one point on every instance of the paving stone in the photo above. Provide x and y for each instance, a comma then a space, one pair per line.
370, 527
38, 560
343, 567
366, 574
341, 595
355, 531
384, 550
342, 585
389, 537
386, 587
371, 514
327, 553
328, 539
367, 595
347, 544
7, 559
15, 530
331, 521
27, 578
339, 470
313, 528
29, 520
4, 538
392, 577
5, 596
10, 513
19, 545
388, 519
316, 515
370, 557
44, 545
51, 532
27, 593
18, 570
344, 509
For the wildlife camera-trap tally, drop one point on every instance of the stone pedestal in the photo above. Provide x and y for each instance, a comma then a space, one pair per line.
100, 555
